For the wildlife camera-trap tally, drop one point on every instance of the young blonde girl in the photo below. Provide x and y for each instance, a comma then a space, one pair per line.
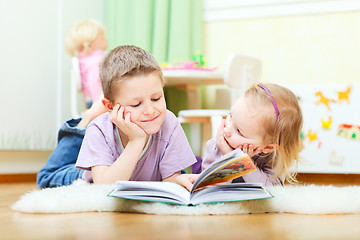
265, 123
85, 39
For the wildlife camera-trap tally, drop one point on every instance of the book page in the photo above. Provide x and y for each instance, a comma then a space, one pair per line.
232, 165
151, 191
230, 192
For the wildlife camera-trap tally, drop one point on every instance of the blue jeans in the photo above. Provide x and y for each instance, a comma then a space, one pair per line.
60, 169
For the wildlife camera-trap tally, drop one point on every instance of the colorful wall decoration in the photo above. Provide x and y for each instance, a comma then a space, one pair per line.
331, 131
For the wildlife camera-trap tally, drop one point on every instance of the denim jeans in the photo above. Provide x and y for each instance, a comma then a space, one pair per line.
60, 169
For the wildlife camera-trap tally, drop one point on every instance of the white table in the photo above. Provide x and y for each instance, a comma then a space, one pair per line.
189, 80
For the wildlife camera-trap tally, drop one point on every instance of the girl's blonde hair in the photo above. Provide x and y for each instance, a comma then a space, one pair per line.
123, 63
283, 130
81, 34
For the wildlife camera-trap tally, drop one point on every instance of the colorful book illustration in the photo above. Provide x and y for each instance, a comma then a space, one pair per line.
207, 188
232, 165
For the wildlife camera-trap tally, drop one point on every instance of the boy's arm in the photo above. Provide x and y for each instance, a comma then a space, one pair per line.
122, 168
186, 180
172, 178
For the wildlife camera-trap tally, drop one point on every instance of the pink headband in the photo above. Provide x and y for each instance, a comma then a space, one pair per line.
272, 99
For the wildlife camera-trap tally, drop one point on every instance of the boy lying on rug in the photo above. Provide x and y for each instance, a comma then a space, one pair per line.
139, 140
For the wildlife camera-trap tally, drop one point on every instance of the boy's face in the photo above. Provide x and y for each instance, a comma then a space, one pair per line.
143, 97
243, 125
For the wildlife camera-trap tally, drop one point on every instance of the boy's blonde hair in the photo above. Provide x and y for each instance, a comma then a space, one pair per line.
123, 63
81, 34
284, 130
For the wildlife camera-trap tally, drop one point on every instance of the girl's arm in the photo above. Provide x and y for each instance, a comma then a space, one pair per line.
260, 176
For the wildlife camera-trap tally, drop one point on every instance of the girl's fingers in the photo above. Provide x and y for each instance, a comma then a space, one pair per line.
245, 148
258, 150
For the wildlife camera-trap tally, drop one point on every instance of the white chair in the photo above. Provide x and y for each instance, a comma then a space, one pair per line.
75, 87
240, 73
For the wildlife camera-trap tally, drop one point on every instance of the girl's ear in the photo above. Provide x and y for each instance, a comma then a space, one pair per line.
108, 105
270, 148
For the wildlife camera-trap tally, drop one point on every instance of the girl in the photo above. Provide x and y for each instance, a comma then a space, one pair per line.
265, 123
137, 139
86, 40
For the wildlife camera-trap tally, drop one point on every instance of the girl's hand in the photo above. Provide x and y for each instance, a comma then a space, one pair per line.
220, 140
249, 149
124, 123
186, 180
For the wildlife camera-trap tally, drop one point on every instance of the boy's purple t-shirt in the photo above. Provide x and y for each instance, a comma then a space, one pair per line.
168, 150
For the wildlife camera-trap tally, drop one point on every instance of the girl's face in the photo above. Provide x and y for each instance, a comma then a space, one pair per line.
143, 97
99, 42
243, 125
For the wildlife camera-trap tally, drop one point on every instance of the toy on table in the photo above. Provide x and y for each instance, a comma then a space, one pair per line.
198, 63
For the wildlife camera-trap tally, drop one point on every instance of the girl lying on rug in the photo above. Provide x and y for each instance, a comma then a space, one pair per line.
137, 139
265, 123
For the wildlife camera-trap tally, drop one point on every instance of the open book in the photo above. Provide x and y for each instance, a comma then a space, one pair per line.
206, 189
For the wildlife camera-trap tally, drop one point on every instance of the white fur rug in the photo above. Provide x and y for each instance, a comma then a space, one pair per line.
84, 197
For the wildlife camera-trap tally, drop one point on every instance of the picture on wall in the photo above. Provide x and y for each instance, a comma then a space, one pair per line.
331, 130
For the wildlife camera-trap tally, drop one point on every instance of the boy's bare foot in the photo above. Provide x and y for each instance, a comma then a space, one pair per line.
96, 109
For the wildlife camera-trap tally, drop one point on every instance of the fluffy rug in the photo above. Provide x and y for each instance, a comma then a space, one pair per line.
84, 197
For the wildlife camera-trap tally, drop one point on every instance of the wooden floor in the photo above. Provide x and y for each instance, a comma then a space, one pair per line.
111, 225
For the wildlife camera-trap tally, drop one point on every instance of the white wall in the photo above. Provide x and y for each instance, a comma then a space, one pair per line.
32, 58
28, 74
34, 101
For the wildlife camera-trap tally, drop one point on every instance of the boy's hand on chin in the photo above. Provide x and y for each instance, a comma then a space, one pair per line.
123, 122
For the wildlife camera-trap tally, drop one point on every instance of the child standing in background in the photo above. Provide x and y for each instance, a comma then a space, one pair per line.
86, 40
265, 123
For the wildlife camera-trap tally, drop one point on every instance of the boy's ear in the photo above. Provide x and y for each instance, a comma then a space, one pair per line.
270, 148
108, 105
